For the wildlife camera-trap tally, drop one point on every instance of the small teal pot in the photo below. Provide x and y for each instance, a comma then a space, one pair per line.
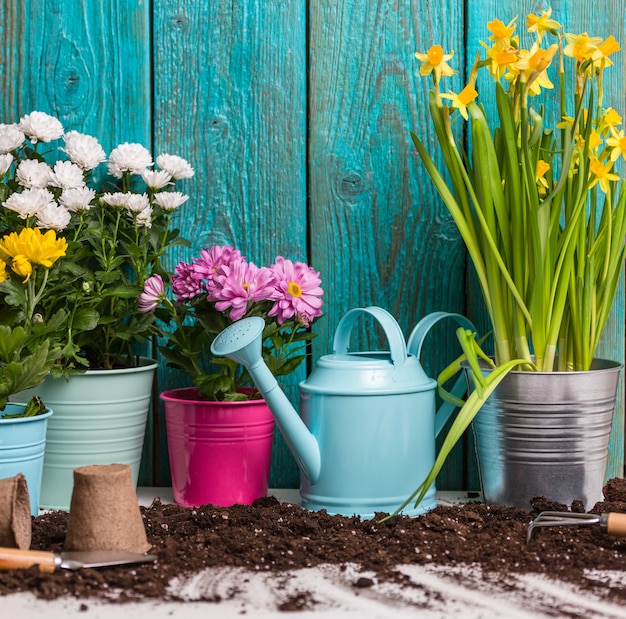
22, 448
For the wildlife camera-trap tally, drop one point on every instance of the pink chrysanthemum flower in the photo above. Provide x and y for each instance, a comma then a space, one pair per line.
239, 283
212, 258
297, 292
184, 285
153, 293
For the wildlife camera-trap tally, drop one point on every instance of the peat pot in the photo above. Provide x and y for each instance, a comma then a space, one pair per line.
22, 444
547, 434
220, 452
99, 418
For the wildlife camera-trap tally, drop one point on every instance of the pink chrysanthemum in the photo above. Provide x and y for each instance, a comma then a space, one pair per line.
239, 283
153, 292
297, 292
184, 285
212, 258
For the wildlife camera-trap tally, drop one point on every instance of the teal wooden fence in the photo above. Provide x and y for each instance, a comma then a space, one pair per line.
296, 117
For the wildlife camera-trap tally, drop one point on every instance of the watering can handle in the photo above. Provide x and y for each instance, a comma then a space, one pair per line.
395, 337
414, 347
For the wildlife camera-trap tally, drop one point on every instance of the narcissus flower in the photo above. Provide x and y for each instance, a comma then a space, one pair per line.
581, 46
617, 142
435, 61
542, 24
601, 174
463, 99
502, 34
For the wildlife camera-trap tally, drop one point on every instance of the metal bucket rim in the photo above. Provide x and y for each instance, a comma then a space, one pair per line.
598, 365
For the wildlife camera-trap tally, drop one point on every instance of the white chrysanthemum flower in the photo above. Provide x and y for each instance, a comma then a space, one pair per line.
156, 179
10, 138
175, 165
83, 150
137, 202
170, 200
133, 158
117, 199
31, 173
41, 127
67, 175
29, 202
144, 218
5, 163
77, 198
53, 217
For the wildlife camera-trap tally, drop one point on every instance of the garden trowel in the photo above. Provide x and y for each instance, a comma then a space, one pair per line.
14, 559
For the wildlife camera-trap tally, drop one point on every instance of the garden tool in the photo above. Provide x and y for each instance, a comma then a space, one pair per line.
612, 523
14, 559
366, 437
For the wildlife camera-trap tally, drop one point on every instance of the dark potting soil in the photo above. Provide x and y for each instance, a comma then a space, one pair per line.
271, 536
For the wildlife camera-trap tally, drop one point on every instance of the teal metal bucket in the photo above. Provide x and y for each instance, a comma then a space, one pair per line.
22, 446
99, 418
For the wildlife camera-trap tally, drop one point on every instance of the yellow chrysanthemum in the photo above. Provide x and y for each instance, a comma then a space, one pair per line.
33, 245
463, 99
602, 174
617, 143
581, 46
501, 34
542, 24
3, 270
435, 61
22, 266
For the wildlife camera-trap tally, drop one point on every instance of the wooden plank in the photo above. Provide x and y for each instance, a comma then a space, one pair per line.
88, 64
230, 96
576, 16
379, 233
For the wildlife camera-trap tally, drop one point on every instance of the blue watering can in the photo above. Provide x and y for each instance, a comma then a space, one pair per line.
366, 438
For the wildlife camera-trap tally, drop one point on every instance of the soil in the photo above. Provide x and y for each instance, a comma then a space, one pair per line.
279, 537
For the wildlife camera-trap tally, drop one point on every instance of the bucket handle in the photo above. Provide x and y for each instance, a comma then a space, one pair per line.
414, 347
393, 332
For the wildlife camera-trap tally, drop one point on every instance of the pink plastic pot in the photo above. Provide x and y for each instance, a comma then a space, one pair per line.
220, 452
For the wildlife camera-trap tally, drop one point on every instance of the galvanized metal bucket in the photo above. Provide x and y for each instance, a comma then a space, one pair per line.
546, 434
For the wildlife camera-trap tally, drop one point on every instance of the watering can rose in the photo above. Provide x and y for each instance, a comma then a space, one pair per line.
220, 287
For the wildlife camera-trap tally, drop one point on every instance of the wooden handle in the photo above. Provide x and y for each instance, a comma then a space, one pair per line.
616, 524
15, 559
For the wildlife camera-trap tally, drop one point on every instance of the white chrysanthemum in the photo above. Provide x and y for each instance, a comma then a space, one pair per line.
10, 138
5, 163
53, 217
144, 218
77, 198
83, 150
31, 173
41, 127
137, 202
133, 158
117, 199
170, 200
156, 179
29, 202
67, 175
175, 165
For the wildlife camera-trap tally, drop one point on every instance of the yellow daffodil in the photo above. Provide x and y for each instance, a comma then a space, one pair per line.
610, 118
617, 142
435, 61
501, 60
533, 64
542, 24
602, 174
594, 140
581, 46
543, 168
600, 55
501, 34
33, 245
463, 99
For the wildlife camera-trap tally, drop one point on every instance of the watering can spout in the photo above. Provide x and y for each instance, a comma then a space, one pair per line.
242, 342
